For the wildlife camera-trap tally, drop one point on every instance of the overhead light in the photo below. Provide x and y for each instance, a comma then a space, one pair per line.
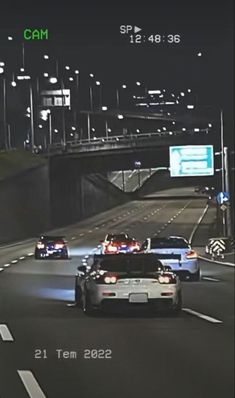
71, 79
124, 86
137, 130
138, 83
159, 130
183, 129
97, 83
40, 126
104, 108
109, 130
196, 130
45, 74
91, 75
67, 67
45, 56
209, 125
10, 38
164, 128
53, 80
93, 129
1, 70
22, 69
13, 83
182, 94
189, 90
55, 130
73, 128
199, 54
154, 91
120, 117
190, 106
2, 63
76, 71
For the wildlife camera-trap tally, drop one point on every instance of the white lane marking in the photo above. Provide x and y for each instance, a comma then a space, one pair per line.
7, 265
14, 261
73, 237
22, 258
90, 231
1, 269
202, 316
5, 333
81, 234
31, 384
97, 227
197, 224
30, 254
215, 261
210, 279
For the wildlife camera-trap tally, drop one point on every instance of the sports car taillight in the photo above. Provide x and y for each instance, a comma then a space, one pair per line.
108, 278
111, 248
59, 246
166, 279
40, 245
191, 254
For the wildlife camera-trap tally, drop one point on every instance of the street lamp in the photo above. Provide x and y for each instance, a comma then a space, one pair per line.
100, 92
118, 95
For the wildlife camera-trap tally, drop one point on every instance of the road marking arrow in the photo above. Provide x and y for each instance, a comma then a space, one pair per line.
31, 384
5, 333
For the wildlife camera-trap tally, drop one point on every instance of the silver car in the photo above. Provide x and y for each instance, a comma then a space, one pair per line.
177, 253
127, 281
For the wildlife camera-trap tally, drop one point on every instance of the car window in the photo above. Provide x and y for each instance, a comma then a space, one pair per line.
159, 243
135, 265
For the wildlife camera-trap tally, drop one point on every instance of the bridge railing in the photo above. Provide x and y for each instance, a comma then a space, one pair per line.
116, 141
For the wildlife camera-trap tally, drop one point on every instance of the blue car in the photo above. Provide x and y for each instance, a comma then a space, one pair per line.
177, 253
51, 247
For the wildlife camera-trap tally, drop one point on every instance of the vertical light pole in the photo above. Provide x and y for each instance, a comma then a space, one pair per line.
88, 127
76, 101
117, 98
50, 127
227, 189
9, 136
5, 113
32, 131
222, 165
91, 93
100, 93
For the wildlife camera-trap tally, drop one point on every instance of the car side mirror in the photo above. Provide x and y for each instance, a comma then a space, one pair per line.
82, 269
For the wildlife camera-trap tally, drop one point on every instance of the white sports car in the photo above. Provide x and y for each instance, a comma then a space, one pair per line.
177, 253
127, 280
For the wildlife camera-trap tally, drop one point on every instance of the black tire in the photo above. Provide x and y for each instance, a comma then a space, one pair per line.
37, 256
195, 277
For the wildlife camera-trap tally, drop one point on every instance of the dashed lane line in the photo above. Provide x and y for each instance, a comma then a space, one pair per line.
7, 265
31, 384
22, 258
202, 316
207, 278
5, 333
1, 269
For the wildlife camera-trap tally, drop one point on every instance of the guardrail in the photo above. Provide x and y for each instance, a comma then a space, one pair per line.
117, 141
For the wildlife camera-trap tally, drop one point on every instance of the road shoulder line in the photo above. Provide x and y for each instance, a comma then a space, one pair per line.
216, 262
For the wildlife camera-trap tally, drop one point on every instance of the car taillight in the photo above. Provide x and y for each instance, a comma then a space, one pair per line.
108, 278
166, 279
59, 246
135, 245
111, 248
40, 245
191, 254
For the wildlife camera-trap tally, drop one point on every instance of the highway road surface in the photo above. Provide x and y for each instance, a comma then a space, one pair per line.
50, 349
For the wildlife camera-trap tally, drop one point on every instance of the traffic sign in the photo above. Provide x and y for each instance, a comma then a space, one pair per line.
222, 197
191, 160
223, 207
216, 246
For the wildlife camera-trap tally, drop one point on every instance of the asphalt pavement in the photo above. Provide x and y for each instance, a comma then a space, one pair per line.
50, 349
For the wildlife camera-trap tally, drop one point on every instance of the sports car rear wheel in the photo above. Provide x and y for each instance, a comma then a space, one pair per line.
195, 277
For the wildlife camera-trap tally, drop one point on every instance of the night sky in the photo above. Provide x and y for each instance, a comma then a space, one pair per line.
87, 37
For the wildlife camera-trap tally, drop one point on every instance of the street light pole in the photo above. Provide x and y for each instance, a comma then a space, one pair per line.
63, 113
227, 189
50, 127
5, 113
31, 116
91, 97
222, 165
88, 127
118, 98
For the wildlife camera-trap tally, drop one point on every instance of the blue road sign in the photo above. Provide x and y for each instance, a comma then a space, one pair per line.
191, 160
222, 197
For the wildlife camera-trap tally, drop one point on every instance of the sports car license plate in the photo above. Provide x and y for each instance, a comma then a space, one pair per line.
138, 298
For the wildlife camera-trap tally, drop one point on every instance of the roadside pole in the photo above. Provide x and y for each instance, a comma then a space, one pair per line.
227, 189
